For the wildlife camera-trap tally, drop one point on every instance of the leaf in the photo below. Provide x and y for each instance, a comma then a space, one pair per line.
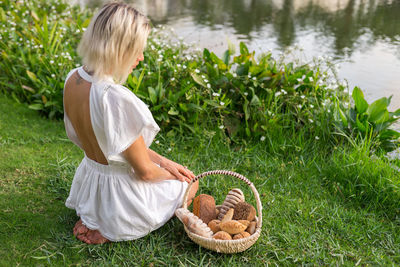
225, 57
32, 76
255, 101
231, 48
377, 111
36, 106
360, 126
206, 54
358, 96
198, 80
152, 94
173, 111
243, 48
34, 15
27, 88
343, 118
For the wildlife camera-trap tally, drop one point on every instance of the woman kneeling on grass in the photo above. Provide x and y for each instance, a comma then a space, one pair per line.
122, 190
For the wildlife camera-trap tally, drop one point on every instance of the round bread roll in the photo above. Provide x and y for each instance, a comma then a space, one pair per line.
244, 211
232, 227
241, 235
222, 236
214, 225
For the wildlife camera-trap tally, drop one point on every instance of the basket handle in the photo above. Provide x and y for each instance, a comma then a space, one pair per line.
236, 175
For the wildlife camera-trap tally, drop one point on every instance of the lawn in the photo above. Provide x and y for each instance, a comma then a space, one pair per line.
320, 207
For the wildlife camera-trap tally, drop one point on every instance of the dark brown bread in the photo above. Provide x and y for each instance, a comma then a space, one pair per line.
204, 208
244, 211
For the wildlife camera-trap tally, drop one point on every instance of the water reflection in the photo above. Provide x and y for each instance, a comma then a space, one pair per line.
362, 35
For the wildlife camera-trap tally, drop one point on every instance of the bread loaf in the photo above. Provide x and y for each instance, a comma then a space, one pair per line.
204, 208
214, 225
193, 223
228, 216
245, 222
222, 236
241, 235
251, 228
244, 211
232, 227
232, 198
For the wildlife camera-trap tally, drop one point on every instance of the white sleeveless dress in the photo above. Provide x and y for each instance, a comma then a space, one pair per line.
110, 198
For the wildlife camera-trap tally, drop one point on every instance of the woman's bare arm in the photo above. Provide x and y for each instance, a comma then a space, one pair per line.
181, 172
138, 156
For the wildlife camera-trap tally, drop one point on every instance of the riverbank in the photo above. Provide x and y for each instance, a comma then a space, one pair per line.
309, 217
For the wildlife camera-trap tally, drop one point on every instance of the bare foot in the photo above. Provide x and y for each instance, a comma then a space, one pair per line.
94, 237
80, 228
88, 236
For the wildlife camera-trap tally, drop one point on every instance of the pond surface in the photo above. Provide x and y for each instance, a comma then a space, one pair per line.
361, 36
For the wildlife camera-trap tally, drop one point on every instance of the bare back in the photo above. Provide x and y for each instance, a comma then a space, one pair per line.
76, 105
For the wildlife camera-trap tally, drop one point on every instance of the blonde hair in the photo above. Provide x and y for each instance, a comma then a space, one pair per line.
115, 38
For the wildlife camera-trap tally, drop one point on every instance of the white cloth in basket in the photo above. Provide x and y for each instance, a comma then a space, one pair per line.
110, 198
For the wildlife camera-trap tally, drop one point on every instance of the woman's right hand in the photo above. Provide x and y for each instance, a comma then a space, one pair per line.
181, 173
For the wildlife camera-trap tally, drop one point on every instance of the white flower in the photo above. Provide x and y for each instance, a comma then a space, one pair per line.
172, 79
245, 93
302, 96
299, 106
197, 71
222, 103
51, 61
311, 79
249, 76
174, 57
53, 75
215, 65
152, 47
311, 120
178, 65
149, 72
254, 78
278, 94
299, 80
157, 142
208, 85
184, 66
221, 127
303, 77
76, 65
284, 92
78, 31
316, 138
215, 94
234, 75
205, 80
169, 149
311, 106
159, 59
188, 82
262, 139
203, 76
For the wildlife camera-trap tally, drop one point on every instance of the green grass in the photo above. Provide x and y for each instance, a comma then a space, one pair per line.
314, 210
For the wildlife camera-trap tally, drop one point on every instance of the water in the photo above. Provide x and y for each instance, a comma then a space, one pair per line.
362, 37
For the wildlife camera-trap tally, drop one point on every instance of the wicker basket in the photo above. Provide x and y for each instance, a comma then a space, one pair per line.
226, 246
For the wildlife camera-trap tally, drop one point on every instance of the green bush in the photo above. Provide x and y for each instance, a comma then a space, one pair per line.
238, 95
